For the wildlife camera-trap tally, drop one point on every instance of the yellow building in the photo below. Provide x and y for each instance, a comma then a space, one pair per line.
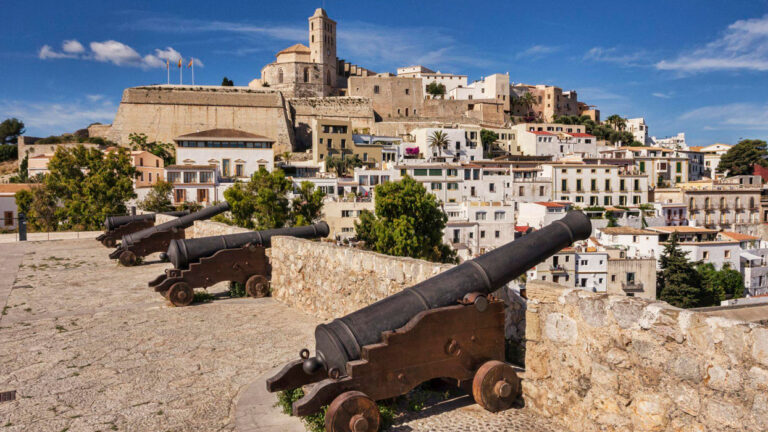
333, 139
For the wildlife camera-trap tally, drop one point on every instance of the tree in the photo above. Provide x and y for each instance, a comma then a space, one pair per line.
437, 140
526, 101
307, 205
488, 138
343, 165
262, 202
23, 175
10, 129
90, 184
720, 284
741, 158
165, 151
617, 122
436, 89
407, 222
9, 152
678, 282
159, 198
39, 206
226, 82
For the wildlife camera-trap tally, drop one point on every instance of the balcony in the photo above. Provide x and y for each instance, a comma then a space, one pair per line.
557, 269
632, 287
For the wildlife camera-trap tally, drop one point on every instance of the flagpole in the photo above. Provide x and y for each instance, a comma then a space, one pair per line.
193, 71
168, 70
180, 82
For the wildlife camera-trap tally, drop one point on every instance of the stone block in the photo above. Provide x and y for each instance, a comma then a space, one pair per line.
722, 379
560, 328
649, 412
760, 346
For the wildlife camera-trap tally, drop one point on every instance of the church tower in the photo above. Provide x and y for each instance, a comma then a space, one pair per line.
322, 45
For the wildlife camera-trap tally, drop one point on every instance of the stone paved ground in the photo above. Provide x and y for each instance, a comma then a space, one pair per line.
89, 347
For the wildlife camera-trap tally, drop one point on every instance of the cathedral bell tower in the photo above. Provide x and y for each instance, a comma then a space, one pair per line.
322, 45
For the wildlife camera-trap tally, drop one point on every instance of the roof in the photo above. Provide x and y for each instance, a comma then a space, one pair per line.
172, 167
695, 148
580, 135
739, 236
682, 229
223, 135
626, 231
522, 228
14, 187
298, 48
550, 204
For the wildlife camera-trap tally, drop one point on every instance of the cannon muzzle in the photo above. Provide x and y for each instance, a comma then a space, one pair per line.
184, 252
112, 222
180, 223
341, 340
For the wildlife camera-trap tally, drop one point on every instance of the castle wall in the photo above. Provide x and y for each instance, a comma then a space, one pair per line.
165, 112
391, 96
293, 84
600, 362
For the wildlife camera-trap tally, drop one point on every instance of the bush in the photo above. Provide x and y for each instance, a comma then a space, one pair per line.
236, 289
316, 422
8, 152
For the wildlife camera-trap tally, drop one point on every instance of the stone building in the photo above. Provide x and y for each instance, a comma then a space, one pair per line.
334, 139
392, 96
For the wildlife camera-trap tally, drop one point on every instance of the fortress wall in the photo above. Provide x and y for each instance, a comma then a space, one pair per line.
602, 362
164, 113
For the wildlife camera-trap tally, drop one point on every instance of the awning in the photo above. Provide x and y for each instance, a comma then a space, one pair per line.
750, 257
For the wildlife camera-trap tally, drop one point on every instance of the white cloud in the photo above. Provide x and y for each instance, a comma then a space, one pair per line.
537, 51
743, 46
72, 47
114, 52
617, 56
94, 97
597, 93
662, 95
47, 118
736, 116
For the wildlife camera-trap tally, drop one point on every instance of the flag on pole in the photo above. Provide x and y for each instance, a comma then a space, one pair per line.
190, 63
179, 62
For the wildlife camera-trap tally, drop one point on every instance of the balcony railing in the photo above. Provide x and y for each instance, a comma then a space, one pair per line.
557, 269
632, 287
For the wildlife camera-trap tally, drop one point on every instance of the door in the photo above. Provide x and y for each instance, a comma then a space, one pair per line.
180, 195
202, 195
8, 218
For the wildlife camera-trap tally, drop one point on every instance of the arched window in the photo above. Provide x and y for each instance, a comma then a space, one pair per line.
280, 76
751, 203
691, 205
306, 74
738, 203
328, 77
706, 203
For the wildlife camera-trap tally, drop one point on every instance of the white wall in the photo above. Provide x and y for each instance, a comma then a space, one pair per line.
249, 156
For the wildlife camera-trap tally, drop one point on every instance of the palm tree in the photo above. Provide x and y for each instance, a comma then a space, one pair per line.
617, 122
527, 101
437, 140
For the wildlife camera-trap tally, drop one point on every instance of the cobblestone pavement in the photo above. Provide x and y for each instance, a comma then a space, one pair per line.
88, 347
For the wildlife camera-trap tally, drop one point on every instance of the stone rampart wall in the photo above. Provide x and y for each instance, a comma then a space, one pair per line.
357, 110
209, 228
615, 363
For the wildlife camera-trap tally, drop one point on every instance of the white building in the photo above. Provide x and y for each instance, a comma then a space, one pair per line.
457, 149
195, 184
9, 212
596, 184
540, 214
556, 140
428, 76
494, 87
676, 142
639, 129
638, 243
753, 264
237, 154
712, 155
476, 227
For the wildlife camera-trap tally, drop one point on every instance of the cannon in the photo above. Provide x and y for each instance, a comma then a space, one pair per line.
449, 326
158, 238
118, 226
202, 262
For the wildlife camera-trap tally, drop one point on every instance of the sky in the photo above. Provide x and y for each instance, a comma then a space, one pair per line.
693, 66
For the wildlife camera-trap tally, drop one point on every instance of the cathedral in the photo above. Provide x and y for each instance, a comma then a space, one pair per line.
314, 71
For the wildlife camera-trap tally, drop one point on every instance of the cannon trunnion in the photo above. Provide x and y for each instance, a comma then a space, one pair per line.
202, 262
157, 238
448, 326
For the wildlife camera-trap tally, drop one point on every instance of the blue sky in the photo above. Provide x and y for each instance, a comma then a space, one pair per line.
693, 66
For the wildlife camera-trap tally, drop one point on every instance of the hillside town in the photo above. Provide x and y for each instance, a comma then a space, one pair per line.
502, 158
339, 246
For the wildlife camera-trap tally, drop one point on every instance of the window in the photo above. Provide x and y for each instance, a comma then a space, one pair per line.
480, 216
727, 254
407, 91
179, 195
150, 177
141, 161
347, 213
482, 234
637, 184
330, 143
8, 218
239, 170
435, 172
471, 234
607, 185
564, 184
520, 191
452, 186
679, 167
375, 89
583, 262
202, 195
499, 215
621, 185
190, 177
593, 185
541, 190
437, 186
642, 166
706, 255
225, 167
343, 143
492, 187
174, 177
578, 185
280, 76
206, 176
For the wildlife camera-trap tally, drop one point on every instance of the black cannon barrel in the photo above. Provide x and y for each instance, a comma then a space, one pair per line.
112, 222
341, 340
183, 252
180, 223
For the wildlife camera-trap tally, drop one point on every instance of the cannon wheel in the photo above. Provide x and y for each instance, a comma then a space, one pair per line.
257, 286
109, 242
181, 294
127, 258
352, 411
495, 386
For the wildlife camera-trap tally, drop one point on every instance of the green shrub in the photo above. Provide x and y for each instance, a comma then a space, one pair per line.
316, 422
203, 297
236, 289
